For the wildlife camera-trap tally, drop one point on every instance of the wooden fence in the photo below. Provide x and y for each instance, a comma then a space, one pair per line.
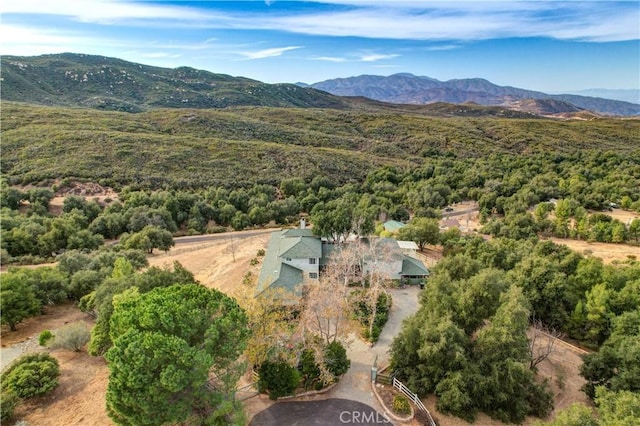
414, 398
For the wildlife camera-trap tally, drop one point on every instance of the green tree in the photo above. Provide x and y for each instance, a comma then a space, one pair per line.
148, 369
148, 239
576, 415
618, 408
506, 388
333, 220
17, 300
278, 378
166, 342
422, 231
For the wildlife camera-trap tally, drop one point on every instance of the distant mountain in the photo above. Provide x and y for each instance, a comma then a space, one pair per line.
100, 82
410, 89
626, 95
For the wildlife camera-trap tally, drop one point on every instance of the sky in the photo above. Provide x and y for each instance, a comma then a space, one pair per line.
540, 45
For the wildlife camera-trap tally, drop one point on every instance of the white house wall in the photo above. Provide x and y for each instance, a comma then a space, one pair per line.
305, 266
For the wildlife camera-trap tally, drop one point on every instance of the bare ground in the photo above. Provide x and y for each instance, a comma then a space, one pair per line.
220, 264
608, 252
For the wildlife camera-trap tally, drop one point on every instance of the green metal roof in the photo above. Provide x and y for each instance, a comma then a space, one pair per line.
412, 267
393, 225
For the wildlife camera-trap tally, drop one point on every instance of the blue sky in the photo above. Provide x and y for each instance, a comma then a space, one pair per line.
541, 45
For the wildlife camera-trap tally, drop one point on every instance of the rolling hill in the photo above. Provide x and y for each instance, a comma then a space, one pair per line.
241, 146
113, 84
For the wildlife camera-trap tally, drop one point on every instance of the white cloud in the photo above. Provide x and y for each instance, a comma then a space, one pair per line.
329, 59
359, 57
100, 11
417, 20
268, 53
373, 57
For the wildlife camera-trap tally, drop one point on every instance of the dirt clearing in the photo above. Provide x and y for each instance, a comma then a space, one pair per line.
220, 264
608, 252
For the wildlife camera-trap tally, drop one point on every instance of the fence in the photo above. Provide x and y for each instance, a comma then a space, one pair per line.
413, 397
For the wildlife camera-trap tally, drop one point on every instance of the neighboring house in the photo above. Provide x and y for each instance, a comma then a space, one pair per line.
294, 256
393, 226
395, 260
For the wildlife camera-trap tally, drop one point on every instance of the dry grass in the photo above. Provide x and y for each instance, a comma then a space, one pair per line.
608, 252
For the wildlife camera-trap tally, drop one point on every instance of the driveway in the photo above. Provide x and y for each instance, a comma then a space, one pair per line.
327, 412
356, 383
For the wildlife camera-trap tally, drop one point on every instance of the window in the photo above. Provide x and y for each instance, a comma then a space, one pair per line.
313, 275
312, 261
288, 259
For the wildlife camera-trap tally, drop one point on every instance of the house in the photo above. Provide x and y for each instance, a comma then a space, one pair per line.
393, 226
294, 256
395, 260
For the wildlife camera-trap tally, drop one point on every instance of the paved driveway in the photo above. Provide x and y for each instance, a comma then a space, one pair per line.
328, 412
356, 383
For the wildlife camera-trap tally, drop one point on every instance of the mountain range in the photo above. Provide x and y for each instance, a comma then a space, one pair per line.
410, 89
99, 82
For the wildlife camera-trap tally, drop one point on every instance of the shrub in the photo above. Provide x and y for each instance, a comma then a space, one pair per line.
31, 375
254, 261
400, 405
310, 370
72, 337
260, 253
8, 402
45, 337
278, 379
248, 278
336, 359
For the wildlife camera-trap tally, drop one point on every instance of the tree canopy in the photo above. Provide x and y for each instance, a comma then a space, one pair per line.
165, 344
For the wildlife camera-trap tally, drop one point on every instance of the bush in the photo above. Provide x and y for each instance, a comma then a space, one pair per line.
45, 337
72, 337
336, 359
8, 402
310, 370
31, 375
260, 253
401, 405
278, 379
254, 261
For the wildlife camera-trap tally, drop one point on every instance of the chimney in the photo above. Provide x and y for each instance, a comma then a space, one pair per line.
303, 224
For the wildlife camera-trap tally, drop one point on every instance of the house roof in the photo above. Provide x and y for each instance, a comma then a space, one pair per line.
407, 245
289, 243
385, 248
393, 225
300, 247
413, 267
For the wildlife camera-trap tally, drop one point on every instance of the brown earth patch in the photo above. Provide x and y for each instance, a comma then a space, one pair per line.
78, 400
220, 264
608, 252
54, 317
